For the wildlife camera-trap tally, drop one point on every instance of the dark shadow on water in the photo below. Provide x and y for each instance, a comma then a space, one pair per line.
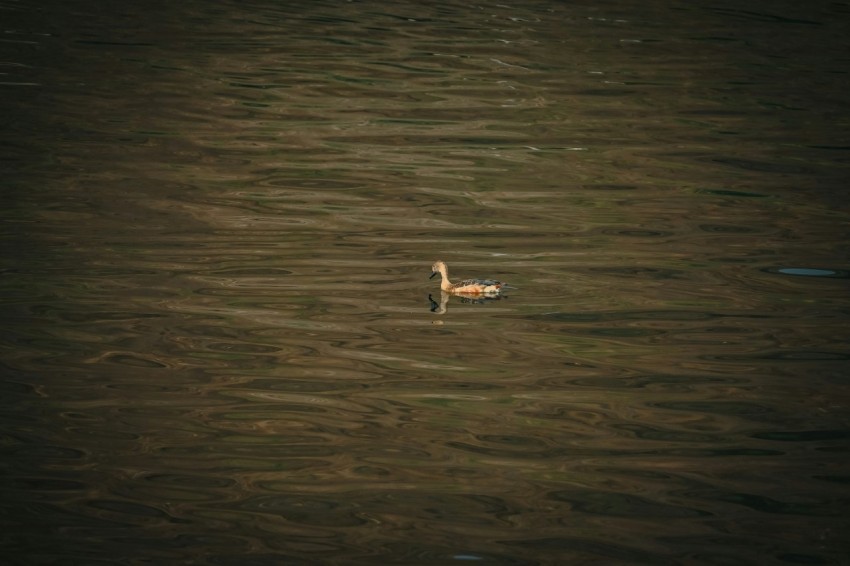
442, 306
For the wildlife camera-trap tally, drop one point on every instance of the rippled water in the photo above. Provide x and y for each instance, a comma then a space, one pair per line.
221, 345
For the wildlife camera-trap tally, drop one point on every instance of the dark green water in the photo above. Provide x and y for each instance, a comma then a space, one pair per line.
218, 221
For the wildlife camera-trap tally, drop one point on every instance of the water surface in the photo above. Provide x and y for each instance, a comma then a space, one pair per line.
221, 345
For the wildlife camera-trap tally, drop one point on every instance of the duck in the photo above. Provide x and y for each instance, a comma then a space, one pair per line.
467, 286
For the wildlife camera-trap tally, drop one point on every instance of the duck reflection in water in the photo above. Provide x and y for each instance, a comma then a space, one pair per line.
468, 298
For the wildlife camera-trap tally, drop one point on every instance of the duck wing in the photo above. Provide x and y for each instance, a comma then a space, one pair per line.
485, 282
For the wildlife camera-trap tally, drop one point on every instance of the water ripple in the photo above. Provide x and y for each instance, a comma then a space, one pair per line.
221, 345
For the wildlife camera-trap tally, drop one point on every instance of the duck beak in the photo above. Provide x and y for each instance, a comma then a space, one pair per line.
433, 273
